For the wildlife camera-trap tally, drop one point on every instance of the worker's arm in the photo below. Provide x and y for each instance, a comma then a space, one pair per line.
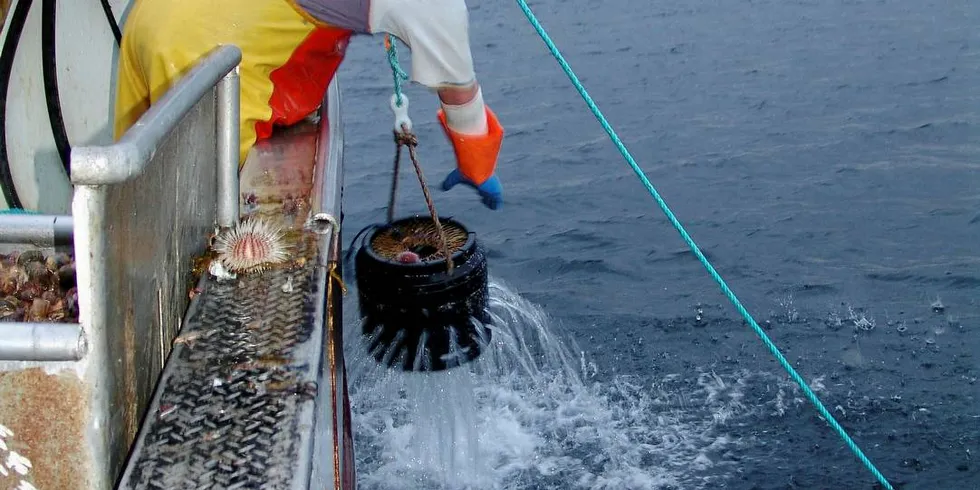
437, 32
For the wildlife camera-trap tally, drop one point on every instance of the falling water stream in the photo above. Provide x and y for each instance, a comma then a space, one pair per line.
534, 412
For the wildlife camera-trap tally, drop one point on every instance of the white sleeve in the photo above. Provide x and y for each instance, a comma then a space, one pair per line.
436, 31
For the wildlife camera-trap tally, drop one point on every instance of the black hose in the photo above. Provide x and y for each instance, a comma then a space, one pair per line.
112, 21
49, 67
17, 20
49, 71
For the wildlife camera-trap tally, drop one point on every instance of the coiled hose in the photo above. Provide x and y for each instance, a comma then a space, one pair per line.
49, 67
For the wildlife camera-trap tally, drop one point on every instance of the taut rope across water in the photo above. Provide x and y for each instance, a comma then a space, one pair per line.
400, 75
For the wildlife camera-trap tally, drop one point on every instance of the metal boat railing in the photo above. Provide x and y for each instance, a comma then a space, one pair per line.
254, 390
254, 394
72, 396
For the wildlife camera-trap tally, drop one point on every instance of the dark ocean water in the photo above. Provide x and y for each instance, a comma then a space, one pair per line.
826, 158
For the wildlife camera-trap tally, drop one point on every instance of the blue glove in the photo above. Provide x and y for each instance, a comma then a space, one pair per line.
491, 190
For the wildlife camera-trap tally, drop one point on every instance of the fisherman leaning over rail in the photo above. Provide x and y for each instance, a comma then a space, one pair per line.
291, 50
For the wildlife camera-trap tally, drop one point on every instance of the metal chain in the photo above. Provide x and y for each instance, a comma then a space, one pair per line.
407, 137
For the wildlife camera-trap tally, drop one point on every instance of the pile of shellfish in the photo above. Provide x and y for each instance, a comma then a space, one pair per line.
35, 287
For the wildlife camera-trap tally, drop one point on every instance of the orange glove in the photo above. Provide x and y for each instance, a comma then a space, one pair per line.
476, 159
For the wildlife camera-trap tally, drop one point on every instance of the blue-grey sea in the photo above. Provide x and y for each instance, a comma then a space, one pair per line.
825, 155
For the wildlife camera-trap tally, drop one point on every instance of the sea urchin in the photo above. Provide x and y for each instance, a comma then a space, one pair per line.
252, 246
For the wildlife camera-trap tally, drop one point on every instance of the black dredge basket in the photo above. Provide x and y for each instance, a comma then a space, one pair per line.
415, 313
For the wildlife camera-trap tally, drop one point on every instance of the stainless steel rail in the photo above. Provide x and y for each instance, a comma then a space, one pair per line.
43, 342
253, 395
40, 230
141, 212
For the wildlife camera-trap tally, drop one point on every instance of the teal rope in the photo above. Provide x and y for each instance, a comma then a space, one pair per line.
690, 242
397, 74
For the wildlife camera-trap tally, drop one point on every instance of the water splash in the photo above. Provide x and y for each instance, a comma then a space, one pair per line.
531, 414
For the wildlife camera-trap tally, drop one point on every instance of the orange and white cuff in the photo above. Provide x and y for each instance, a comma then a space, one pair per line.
469, 118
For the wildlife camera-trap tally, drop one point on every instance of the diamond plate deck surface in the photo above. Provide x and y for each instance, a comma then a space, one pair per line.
237, 398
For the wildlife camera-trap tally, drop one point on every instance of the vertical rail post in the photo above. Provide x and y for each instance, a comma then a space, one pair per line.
227, 120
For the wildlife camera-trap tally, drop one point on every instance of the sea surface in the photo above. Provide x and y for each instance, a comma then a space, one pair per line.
825, 156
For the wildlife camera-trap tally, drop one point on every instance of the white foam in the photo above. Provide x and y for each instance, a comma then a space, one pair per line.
529, 414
